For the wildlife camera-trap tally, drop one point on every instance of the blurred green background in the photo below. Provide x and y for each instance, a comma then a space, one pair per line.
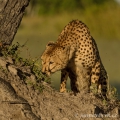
45, 19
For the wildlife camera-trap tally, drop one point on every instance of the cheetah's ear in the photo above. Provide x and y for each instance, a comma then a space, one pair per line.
50, 43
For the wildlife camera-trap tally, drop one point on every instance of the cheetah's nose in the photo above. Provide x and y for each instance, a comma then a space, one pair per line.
46, 74
43, 73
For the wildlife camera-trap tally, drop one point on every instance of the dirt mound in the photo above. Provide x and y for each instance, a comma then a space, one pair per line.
22, 98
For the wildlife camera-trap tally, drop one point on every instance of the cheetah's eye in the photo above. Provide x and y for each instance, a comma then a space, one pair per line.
51, 62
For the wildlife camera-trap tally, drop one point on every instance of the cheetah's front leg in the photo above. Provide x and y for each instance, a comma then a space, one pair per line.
64, 76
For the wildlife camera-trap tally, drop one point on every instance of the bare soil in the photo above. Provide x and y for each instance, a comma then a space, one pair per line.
19, 100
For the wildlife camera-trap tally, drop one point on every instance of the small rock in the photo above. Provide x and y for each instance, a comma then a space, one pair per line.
12, 70
2, 63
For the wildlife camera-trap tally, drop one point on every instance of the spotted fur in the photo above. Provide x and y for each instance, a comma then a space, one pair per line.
75, 53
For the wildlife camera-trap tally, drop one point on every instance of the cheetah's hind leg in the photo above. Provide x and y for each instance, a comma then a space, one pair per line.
95, 75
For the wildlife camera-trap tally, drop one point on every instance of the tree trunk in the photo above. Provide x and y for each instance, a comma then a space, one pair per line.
11, 13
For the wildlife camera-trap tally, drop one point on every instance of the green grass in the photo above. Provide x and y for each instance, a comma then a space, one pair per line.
104, 27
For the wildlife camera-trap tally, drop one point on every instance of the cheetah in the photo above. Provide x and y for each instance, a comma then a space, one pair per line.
75, 53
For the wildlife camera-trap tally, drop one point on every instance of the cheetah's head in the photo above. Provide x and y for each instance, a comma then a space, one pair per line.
54, 58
